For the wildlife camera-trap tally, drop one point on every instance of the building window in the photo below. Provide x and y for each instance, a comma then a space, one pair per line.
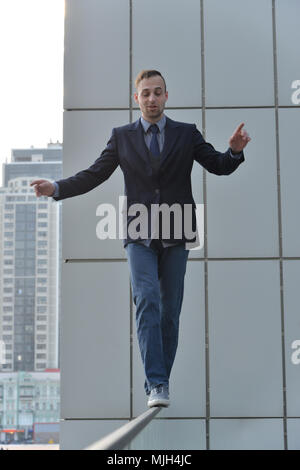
8, 262
41, 356
7, 318
41, 318
8, 253
40, 337
7, 290
42, 252
41, 309
7, 338
41, 327
42, 271
41, 261
42, 289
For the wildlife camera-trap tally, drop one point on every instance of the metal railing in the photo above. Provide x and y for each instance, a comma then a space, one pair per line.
120, 438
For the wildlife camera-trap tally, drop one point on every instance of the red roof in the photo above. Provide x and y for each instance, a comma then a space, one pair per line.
12, 430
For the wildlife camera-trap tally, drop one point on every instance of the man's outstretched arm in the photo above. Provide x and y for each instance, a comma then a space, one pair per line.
84, 180
217, 162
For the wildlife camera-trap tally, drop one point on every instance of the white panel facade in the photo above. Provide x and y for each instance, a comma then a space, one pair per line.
159, 31
225, 62
234, 29
86, 134
95, 341
242, 212
96, 54
289, 121
245, 340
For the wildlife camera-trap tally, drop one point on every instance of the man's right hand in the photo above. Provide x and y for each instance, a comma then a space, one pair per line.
43, 187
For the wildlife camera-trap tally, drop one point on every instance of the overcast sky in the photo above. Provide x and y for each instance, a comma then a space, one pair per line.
31, 78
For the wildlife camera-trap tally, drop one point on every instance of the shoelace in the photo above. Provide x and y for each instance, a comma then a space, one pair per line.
159, 388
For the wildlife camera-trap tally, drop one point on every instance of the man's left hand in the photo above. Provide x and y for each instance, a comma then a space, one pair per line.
239, 139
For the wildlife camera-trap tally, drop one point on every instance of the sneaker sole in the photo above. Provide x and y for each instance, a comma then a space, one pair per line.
158, 402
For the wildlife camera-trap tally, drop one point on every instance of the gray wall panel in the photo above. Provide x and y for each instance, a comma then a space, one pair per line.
293, 426
242, 217
289, 122
161, 42
245, 338
238, 46
172, 434
96, 71
86, 135
288, 37
291, 276
246, 434
78, 434
95, 344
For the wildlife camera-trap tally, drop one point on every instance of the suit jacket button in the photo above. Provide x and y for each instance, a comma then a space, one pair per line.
157, 191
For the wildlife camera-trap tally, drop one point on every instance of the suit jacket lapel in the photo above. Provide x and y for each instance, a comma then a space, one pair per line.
136, 135
171, 137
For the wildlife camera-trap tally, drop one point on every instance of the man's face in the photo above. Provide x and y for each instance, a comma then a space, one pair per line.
151, 97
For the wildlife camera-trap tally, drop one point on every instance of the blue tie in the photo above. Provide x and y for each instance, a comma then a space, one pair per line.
154, 147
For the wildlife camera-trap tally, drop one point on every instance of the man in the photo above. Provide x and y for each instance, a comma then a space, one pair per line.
156, 155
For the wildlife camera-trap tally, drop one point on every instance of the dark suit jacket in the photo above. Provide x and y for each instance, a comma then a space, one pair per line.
170, 183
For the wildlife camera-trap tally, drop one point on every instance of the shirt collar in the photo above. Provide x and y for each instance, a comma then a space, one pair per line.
161, 124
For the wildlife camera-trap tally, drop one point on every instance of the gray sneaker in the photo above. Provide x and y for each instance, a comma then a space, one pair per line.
159, 396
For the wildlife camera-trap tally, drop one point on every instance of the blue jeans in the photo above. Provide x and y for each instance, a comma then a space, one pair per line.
157, 282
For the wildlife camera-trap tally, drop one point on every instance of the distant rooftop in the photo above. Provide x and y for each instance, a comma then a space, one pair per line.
53, 152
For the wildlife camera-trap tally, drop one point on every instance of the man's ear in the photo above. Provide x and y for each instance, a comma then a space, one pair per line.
135, 95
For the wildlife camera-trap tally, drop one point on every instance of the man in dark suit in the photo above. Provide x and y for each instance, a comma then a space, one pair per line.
156, 155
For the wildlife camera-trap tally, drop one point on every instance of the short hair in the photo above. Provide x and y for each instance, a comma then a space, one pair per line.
147, 74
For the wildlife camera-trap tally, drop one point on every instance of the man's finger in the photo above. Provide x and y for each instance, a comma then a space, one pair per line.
36, 182
238, 129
